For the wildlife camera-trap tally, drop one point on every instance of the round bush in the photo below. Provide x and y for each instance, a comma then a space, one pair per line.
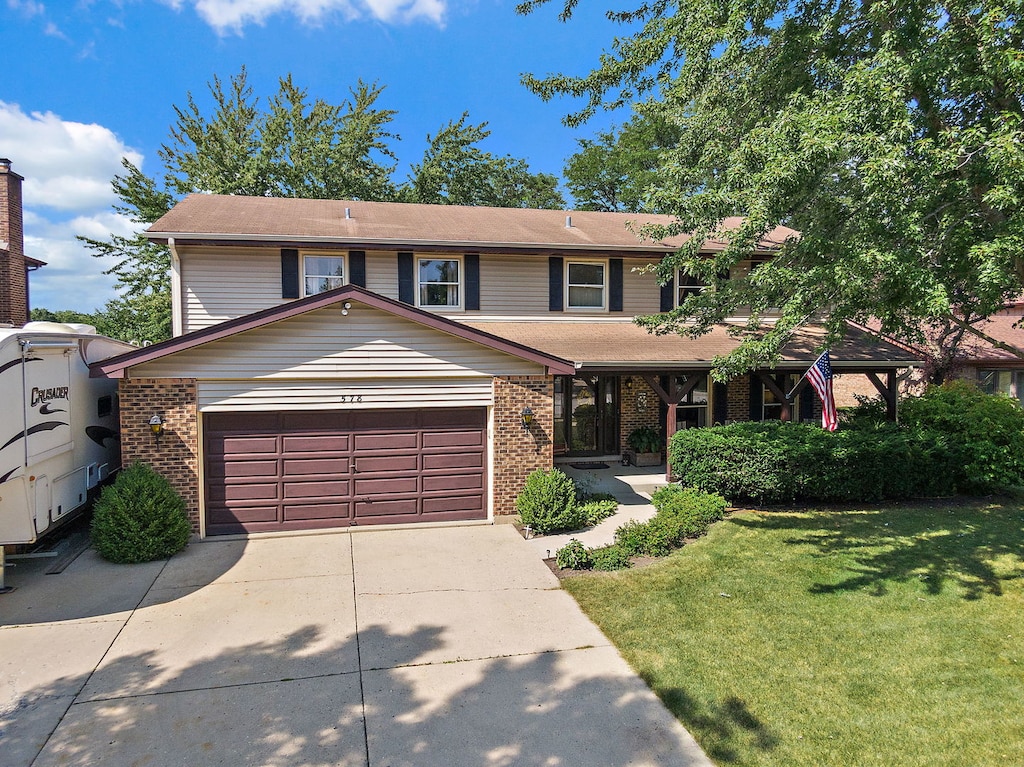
573, 556
548, 503
139, 518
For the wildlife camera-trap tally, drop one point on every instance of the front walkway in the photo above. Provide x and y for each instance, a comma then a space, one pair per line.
423, 647
632, 487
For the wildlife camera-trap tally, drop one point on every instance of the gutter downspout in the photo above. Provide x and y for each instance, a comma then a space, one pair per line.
176, 307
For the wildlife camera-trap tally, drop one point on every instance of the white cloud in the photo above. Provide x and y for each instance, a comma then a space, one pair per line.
233, 15
27, 8
67, 165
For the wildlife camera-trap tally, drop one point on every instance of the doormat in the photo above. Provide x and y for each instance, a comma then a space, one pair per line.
592, 465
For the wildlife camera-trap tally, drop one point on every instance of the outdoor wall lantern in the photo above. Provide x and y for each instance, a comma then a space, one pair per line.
527, 416
156, 424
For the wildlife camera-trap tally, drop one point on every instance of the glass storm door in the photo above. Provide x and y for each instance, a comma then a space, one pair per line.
591, 415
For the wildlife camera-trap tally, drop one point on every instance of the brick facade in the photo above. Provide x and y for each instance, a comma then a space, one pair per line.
639, 405
176, 456
517, 452
13, 274
738, 399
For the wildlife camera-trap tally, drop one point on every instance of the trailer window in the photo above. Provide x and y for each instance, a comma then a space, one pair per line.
104, 406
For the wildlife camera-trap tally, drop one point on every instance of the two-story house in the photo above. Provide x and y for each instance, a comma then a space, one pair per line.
339, 363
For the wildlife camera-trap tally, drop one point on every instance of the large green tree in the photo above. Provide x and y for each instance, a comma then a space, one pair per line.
887, 133
456, 171
293, 147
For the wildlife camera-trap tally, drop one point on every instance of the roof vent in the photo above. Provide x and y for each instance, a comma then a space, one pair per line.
348, 213
568, 222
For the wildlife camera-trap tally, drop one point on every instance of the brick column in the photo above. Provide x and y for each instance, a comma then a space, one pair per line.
176, 456
739, 399
518, 452
638, 406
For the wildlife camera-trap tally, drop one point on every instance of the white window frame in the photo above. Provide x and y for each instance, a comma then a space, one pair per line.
679, 287
322, 254
604, 285
461, 284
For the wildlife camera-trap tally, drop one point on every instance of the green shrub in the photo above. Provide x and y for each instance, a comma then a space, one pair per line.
632, 538
139, 518
609, 558
987, 432
548, 503
644, 439
778, 462
573, 556
599, 509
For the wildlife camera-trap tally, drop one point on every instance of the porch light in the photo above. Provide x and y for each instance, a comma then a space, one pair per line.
344, 309
156, 425
527, 416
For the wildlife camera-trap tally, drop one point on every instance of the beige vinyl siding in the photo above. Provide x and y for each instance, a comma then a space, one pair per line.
368, 343
220, 283
514, 285
344, 395
382, 273
641, 293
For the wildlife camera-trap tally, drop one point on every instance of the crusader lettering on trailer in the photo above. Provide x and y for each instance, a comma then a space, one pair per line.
40, 396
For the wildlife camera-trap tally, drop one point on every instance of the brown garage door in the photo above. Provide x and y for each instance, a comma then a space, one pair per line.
304, 470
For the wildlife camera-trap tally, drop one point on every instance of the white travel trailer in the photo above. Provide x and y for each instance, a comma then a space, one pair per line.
58, 426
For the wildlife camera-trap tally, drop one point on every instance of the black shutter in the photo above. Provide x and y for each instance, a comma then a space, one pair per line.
756, 398
406, 279
668, 296
289, 273
615, 285
472, 266
555, 303
721, 403
357, 267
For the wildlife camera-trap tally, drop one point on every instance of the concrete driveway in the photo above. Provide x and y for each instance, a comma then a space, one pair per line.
442, 646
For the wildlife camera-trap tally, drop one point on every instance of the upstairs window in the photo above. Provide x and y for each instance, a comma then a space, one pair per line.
439, 283
687, 285
322, 273
585, 285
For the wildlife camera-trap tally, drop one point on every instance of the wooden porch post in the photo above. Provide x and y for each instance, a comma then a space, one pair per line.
887, 390
670, 426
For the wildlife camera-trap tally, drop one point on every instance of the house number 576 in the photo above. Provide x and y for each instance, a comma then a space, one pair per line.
350, 399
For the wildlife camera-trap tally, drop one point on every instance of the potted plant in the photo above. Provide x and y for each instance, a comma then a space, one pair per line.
645, 446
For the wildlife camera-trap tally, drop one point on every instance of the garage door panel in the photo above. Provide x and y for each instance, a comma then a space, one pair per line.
339, 510
433, 461
453, 503
408, 508
316, 489
453, 482
333, 443
243, 514
244, 468
453, 439
396, 441
307, 467
386, 463
246, 445
249, 491
386, 486
315, 469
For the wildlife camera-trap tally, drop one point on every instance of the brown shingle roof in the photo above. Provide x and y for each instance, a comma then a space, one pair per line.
231, 218
623, 344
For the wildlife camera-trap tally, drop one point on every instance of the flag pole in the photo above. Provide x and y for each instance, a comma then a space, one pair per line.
790, 395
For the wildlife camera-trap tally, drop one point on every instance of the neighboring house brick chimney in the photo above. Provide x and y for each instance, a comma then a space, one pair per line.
13, 267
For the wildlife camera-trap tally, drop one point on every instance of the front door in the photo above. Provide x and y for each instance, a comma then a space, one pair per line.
587, 415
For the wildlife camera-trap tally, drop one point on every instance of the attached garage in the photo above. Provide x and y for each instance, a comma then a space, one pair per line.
312, 469
338, 410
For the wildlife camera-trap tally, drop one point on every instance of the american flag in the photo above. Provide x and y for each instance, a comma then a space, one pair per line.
820, 376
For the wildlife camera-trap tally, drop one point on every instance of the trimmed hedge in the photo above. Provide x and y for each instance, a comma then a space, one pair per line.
777, 462
548, 503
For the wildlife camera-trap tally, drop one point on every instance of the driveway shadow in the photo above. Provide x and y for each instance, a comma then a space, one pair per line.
535, 710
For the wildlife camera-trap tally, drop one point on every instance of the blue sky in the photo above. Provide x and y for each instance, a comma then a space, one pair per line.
86, 82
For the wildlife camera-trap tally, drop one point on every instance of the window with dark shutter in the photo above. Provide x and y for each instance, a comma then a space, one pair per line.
668, 296
357, 267
555, 300
406, 279
289, 273
471, 264
615, 285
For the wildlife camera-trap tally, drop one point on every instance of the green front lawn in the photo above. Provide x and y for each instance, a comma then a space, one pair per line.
882, 636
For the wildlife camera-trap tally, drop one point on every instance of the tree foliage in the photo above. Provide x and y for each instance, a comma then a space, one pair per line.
455, 171
293, 147
887, 133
